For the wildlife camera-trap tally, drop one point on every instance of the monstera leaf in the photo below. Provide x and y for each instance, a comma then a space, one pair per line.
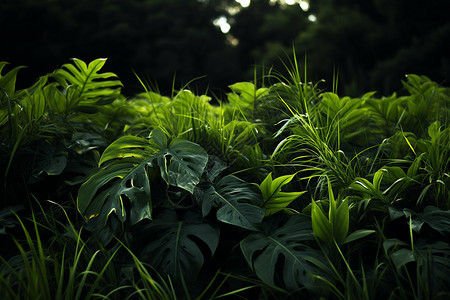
235, 200
282, 246
123, 175
436, 218
177, 247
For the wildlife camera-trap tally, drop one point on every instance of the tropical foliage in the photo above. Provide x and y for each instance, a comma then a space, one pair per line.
279, 190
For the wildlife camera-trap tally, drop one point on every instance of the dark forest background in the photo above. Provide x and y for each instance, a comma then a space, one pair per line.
372, 43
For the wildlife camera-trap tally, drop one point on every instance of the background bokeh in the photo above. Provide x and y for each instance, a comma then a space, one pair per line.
372, 44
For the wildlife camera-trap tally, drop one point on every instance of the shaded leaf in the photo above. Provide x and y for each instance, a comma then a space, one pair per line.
436, 218
7, 219
235, 199
283, 245
125, 175
117, 181
49, 159
402, 257
178, 246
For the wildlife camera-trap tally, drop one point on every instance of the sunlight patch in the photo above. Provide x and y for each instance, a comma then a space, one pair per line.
243, 3
222, 22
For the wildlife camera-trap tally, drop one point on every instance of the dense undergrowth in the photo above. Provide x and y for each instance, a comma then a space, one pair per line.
279, 191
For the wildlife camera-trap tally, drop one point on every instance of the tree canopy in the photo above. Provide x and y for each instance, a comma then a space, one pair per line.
370, 43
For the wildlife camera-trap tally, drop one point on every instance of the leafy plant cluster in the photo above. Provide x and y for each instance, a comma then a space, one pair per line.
281, 190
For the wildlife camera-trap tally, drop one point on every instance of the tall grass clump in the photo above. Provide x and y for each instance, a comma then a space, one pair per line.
316, 130
55, 262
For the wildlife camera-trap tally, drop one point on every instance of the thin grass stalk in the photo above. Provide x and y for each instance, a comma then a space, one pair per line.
153, 290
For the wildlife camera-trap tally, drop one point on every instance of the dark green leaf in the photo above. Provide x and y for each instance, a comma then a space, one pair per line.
436, 218
125, 175
117, 182
177, 246
7, 219
402, 257
182, 164
276, 245
234, 198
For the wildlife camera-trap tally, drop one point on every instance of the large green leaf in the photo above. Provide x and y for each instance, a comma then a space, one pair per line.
105, 193
124, 174
84, 87
283, 246
8, 82
235, 199
7, 219
182, 163
50, 159
321, 226
348, 112
7, 93
386, 113
244, 95
274, 199
177, 247
335, 228
430, 260
436, 218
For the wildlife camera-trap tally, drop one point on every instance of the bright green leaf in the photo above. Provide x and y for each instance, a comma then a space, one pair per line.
321, 226
274, 199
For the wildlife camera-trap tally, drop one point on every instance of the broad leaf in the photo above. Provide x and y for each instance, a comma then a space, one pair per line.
125, 175
335, 228
321, 225
106, 191
214, 168
177, 247
274, 199
7, 218
401, 257
49, 159
244, 215
85, 87
83, 142
182, 163
436, 218
244, 96
235, 199
8, 82
283, 246
341, 222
